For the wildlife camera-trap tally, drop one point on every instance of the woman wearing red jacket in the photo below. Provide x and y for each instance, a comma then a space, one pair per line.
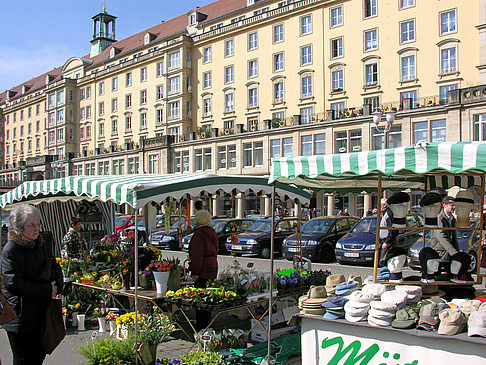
203, 253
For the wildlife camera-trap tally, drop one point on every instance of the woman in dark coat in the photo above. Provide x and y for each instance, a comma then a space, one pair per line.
23, 258
203, 253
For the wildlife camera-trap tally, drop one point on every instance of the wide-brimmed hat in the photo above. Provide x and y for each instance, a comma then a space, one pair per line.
333, 280
429, 291
316, 295
356, 278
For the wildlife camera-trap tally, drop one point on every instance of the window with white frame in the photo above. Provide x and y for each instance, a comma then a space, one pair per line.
420, 132
143, 74
128, 123
278, 91
88, 132
479, 133
306, 86
341, 142
370, 40
253, 154
287, 147
207, 54
159, 68
178, 161
114, 126
306, 55
207, 79
252, 97
82, 113
278, 62
52, 119
337, 80
337, 109
159, 116
60, 98
229, 74
438, 130
88, 112
444, 91
60, 135
407, 31
118, 167
306, 25
336, 47
128, 101
229, 102
371, 74
252, 41
207, 157
320, 144
336, 16
406, 3
229, 48
394, 138
175, 132
143, 97
159, 91
101, 129
114, 105
88, 92
198, 159
133, 165
101, 108
448, 61
222, 158
229, 124
252, 68
174, 60
448, 22
174, 110
306, 114
143, 120
207, 106
373, 101
82, 94
275, 148
101, 88
114, 83
407, 67
60, 115
153, 164
278, 33
174, 85
128, 79
410, 95
370, 8
306, 145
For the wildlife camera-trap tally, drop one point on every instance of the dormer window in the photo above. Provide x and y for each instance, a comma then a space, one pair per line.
112, 52
49, 78
149, 37
250, 2
192, 19
25, 88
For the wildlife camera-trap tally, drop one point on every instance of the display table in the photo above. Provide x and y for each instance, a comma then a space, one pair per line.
342, 342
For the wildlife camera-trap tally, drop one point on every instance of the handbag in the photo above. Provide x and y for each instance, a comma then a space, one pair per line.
48, 272
52, 331
7, 313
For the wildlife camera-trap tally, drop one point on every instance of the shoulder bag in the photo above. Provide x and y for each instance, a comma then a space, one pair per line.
7, 313
53, 330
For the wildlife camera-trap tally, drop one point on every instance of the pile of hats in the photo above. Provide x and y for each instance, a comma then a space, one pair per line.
414, 293
384, 275
356, 309
334, 307
429, 315
311, 303
332, 281
381, 313
346, 288
375, 289
396, 297
405, 318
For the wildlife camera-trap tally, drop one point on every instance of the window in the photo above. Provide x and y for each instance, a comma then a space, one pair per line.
118, 167
231, 156
159, 69
207, 51
82, 113
371, 74
207, 158
21, 131
101, 108
198, 159
128, 123
444, 91
287, 147
252, 41
101, 89
143, 120
337, 109
278, 92
337, 78
371, 39
143, 74
305, 55
252, 68
438, 130
52, 102
394, 138
355, 140
479, 127
305, 25
278, 33
408, 68
406, 3
114, 105
88, 92
159, 116
159, 92
278, 62
114, 83
37, 109
29, 112
306, 83
133, 165
88, 132
319, 144
153, 164
207, 79
229, 102
101, 129
306, 145
341, 142
174, 110
275, 148
448, 60
128, 101
370, 8
306, 114
229, 74
88, 111
252, 154
410, 95
373, 101
407, 31
174, 85
207, 106
143, 97
420, 132
60, 97
448, 22
114, 126
229, 48
252, 97
222, 157
337, 47
336, 16
37, 144
128, 79
174, 60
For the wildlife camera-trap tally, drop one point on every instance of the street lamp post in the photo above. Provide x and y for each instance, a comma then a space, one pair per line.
390, 118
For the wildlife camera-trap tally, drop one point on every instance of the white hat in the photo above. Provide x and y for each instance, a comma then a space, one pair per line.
410, 289
399, 298
477, 324
376, 313
350, 309
359, 296
384, 306
374, 289
351, 318
379, 322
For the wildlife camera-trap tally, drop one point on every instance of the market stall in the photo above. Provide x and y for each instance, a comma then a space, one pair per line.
424, 167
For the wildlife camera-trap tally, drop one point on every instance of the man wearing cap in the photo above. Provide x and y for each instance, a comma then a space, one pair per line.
445, 242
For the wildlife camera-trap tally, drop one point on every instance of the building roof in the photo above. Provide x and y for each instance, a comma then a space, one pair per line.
163, 30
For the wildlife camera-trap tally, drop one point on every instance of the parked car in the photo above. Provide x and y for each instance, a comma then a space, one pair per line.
358, 246
125, 221
224, 227
171, 241
467, 240
318, 238
256, 239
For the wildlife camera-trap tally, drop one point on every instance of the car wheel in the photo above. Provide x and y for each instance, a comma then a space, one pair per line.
326, 254
474, 261
264, 253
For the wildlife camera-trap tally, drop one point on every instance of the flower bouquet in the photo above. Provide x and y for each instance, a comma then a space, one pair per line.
100, 312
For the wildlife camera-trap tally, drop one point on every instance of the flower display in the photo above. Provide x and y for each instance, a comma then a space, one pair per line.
111, 316
204, 295
164, 265
152, 328
100, 312
127, 318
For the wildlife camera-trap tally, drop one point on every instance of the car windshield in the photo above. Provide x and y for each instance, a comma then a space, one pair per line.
317, 226
367, 225
260, 226
218, 226
120, 221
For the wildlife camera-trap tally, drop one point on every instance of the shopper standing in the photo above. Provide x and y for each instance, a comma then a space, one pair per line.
72, 241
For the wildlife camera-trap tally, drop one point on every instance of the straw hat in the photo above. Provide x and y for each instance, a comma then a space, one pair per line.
317, 295
332, 281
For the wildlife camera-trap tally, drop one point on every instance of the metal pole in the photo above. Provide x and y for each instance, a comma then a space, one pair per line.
377, 238
270, 298
135, 244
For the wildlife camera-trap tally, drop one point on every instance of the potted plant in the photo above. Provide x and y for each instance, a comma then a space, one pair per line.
100, 313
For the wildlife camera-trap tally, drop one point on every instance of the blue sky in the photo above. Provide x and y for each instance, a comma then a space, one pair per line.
39, 35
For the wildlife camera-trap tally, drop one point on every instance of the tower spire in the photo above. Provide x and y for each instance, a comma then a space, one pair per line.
104, 6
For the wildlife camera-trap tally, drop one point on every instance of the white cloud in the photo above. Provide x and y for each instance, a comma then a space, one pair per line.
20, 65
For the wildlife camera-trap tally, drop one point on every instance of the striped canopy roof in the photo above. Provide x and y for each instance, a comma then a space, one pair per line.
138, 190
402, 168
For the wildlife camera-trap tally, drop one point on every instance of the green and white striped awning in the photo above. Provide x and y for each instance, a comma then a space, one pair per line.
138, 190
402, 168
